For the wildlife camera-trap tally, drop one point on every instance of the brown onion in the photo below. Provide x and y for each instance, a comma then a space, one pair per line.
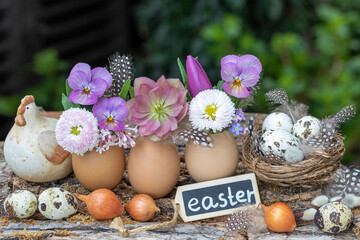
141, 208
279, 217
102, 204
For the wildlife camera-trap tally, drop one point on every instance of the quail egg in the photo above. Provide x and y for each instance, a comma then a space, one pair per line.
57, 203
277, 120
20, 204
333, 217
277, 142
306, 127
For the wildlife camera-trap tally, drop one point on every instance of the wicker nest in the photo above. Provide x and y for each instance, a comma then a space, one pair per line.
317, 169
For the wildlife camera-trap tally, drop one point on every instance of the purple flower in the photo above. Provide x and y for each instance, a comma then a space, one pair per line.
239, 116
158, 107
88, 84
110, 113
197, 79
240, 73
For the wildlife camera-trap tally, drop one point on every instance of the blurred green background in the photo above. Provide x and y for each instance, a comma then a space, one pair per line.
310, 48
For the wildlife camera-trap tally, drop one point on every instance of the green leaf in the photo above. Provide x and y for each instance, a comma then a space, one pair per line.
66, 102
219, 85
67, 88
183, 72
184, 79
131, 91
125, 90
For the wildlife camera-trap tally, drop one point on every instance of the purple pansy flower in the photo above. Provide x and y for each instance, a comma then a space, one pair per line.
240, 73
197, 79
110, 113
88, 84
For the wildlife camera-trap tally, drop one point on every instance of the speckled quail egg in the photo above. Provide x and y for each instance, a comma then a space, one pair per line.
306, 127
57, 203
277, 120
277, 142
20, 204
333, 217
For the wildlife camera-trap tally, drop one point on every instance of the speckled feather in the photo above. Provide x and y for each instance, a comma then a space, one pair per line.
247, 220
345, 181
121, 69
344, 114
329, 129
294, 109
277, 96
198, 137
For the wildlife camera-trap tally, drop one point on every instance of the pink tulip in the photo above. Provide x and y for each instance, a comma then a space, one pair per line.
197, 79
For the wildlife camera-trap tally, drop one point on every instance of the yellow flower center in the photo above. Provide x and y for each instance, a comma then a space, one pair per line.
86, 90
75, 130
159, 109
110, 120
210, 110
237, 83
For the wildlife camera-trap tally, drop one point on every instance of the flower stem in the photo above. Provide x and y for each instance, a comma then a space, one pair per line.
243, 104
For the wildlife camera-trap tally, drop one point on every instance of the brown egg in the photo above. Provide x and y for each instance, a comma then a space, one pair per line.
105, 170
153, 167
209, 163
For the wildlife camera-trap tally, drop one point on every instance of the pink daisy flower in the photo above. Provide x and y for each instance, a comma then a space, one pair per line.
77, 131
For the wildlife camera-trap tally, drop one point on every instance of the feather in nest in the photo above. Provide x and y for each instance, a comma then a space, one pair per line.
329, 129
292, 108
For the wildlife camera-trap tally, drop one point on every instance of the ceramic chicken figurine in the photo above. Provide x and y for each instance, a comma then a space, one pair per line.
30, 148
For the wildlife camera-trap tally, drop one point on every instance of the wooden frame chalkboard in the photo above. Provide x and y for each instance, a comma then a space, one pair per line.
217, 197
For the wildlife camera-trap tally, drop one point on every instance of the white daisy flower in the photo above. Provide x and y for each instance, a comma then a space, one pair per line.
211, 109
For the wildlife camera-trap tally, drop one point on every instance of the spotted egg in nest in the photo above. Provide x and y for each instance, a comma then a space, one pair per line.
278, 142
333, 217
277, 120
306, 128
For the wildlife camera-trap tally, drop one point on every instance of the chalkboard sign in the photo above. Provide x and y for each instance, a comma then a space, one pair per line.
217, 197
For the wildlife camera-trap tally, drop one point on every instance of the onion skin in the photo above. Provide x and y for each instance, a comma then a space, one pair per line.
141, 208
279, 217
102, 204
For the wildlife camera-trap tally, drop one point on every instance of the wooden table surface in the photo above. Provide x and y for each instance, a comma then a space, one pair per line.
82, 226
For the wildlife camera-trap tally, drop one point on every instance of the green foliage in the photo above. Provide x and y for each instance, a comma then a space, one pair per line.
310, 48
124, 93
47, 91
53, 74
66, 102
